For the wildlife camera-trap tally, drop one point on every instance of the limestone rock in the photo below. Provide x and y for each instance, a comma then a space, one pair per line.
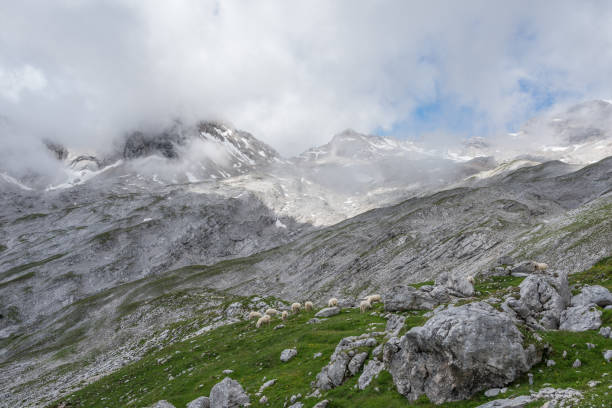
200, 402
457, 353
228, 394
395, 324
288, 354
328, 311
458, 285
543, 298
595, 294
371, 370
580, 318
405, 297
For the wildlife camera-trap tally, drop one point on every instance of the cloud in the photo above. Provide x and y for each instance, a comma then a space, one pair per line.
294, 73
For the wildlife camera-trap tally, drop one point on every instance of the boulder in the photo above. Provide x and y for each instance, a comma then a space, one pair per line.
404, 297
288, 354
542, 299
457, 285
228, 394
607, 355
606, 332
371, 370
459, 351
597, 295
580, 318
328, 311
200, 402
321, 404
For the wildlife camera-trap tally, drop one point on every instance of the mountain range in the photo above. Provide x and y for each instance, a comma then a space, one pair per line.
170, 225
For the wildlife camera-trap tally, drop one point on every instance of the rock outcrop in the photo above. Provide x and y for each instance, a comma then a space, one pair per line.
542, 299
457, 353
344, 362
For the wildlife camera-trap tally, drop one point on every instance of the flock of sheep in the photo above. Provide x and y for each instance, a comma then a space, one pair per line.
364, 306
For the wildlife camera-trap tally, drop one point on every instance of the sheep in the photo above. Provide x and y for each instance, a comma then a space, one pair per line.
332, 302
373, 298
271, 312
470, 279
264, 319
295, 308
308, 306
253, 315
284, 315
540, 266
364, 306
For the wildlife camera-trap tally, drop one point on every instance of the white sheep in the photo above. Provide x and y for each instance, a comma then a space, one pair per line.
373, 298
271, 312
540, 266
364, 306
308, 306
284, 315
295, 307
332, 302
264, 319
470, 279
254, 315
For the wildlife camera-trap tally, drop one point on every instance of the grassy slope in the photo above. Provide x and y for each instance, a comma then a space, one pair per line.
197, 364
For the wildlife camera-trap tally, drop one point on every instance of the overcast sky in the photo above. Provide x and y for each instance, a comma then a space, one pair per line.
295, 72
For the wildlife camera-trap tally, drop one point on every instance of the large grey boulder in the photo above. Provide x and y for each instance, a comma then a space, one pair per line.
200, 402
404, 297
542, 299
328, 311
456, 284
228, 394
597, 295
580, 318
457, 353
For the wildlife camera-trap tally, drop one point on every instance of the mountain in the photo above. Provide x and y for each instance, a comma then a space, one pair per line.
156, 237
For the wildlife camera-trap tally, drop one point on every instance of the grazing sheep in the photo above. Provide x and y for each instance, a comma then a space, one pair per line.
540, 266
296, 307
470, 279
308, 306
373, 298
332, 302
271, 312
284, 315
264, 319
364, 306
254, 315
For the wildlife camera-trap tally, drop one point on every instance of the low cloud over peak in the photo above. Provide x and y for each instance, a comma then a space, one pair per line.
293, 74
